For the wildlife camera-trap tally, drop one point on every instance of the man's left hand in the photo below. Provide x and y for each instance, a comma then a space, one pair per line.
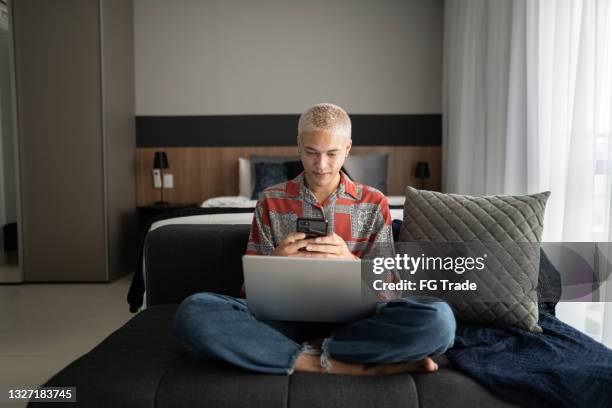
329, 246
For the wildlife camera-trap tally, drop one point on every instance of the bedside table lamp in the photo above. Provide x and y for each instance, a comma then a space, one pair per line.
422, 172
160, 162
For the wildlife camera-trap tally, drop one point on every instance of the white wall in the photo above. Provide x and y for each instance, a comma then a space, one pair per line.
280, 56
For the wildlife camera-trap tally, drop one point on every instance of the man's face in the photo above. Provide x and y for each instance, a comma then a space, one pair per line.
322, 154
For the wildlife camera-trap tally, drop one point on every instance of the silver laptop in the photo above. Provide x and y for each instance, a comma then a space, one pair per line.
305, 289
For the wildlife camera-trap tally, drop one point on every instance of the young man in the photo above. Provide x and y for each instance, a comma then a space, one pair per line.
402, 334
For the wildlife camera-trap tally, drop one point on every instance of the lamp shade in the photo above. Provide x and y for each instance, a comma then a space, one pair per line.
160, 161
422, 170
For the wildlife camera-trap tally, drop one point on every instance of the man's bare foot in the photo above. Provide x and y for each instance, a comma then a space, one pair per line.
311, 364
426, 365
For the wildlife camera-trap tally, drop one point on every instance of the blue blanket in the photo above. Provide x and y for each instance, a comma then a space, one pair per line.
559, 367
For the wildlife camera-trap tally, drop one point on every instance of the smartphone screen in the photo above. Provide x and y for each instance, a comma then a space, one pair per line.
312, 227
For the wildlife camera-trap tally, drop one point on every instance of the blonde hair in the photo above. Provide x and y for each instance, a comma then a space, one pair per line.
325, 117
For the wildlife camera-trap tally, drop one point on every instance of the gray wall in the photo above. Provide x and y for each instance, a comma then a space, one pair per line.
280, 56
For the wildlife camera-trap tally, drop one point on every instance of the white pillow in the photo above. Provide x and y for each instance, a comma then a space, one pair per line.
245, 178
396, 200
229, 201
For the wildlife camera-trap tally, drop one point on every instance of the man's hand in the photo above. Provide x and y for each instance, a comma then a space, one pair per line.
291, 244
330, 246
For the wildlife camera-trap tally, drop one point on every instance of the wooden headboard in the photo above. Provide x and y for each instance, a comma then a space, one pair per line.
204, 172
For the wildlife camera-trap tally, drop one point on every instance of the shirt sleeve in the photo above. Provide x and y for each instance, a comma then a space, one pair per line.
381, 245
260, 238
381, 236
383, 231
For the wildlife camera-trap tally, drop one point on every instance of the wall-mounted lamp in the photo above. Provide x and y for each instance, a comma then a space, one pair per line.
160, 162
422, 172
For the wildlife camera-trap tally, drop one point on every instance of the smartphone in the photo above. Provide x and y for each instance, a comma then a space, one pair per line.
312, 227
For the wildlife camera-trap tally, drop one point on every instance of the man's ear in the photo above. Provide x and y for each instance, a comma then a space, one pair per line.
348, 147
298, 144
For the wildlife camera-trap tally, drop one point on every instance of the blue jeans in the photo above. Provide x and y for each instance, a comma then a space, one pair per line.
222, 327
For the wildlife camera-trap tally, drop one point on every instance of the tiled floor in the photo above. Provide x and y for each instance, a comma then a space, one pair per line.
44, 327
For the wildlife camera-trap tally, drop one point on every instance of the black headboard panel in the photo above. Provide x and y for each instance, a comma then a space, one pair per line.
279, 130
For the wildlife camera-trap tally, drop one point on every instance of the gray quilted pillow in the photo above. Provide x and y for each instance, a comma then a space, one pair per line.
498, 222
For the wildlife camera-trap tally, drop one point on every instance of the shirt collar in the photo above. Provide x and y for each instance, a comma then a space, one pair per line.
296, 187
349, 186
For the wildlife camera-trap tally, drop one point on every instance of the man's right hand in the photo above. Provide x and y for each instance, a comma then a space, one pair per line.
291, 244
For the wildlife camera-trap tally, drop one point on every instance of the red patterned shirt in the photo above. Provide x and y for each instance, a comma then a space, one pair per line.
356, 212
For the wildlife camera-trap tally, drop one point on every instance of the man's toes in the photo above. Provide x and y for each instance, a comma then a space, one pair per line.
427, 364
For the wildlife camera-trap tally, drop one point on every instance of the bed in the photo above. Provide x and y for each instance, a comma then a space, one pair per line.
213, 211
559, 366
